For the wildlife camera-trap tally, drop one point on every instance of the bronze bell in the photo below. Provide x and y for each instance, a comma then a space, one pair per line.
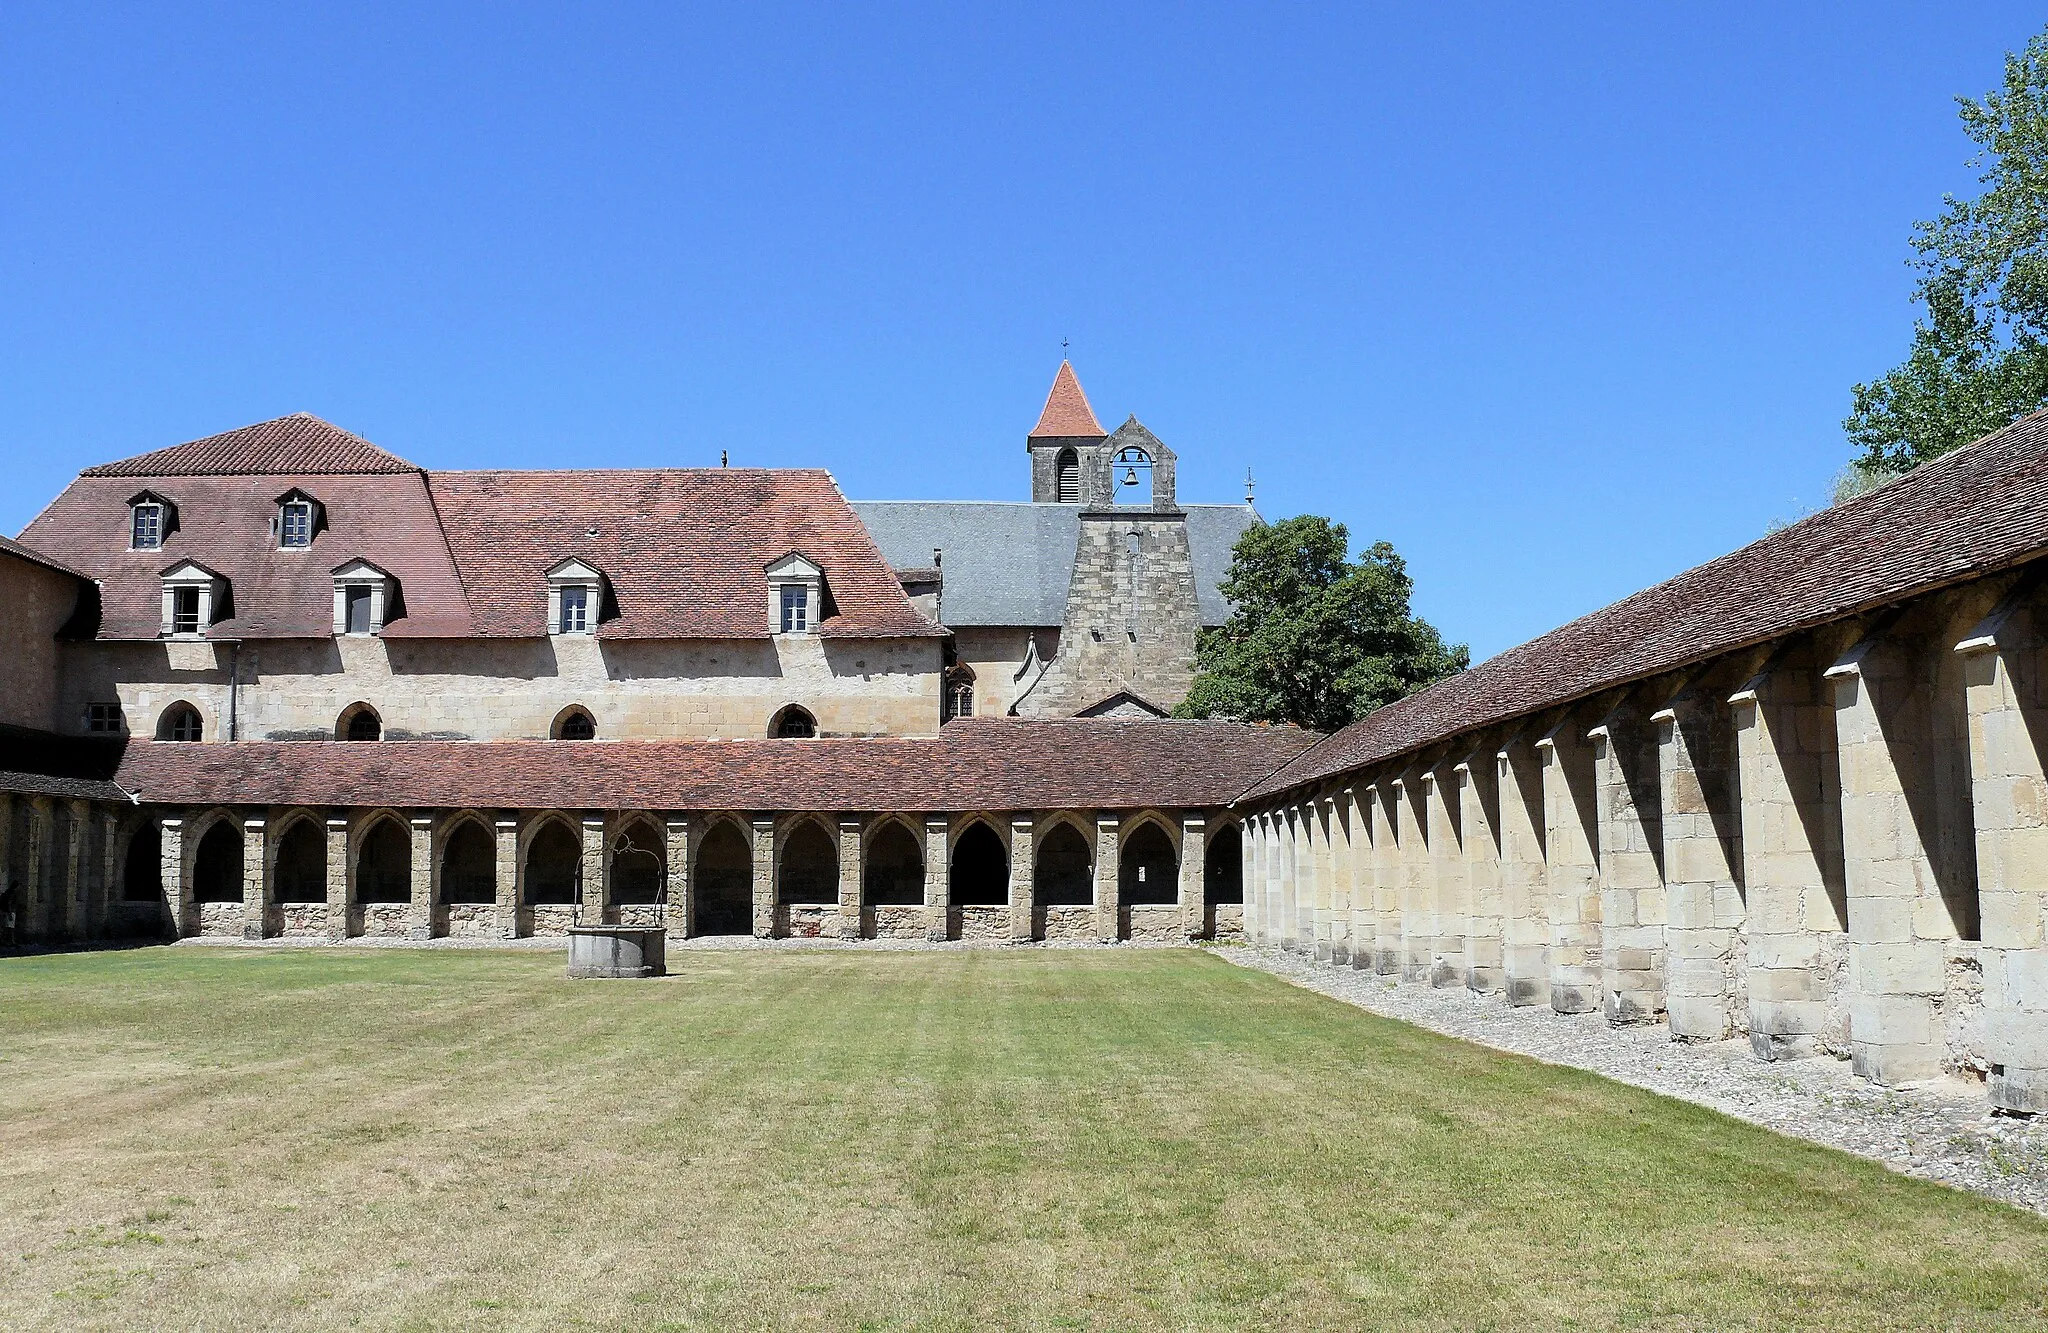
1130, 476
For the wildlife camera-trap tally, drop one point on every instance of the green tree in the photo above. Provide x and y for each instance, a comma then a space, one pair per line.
1315, 637
1980, 349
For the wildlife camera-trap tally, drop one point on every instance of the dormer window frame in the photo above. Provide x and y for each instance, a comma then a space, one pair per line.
575, 598
192, 598
300, 516
151, 520
796, 595
365, 597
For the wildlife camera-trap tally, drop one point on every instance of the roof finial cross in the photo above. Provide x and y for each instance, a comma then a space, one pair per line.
1063, 349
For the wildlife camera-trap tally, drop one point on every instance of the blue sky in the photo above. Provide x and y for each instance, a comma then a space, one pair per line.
1559, 303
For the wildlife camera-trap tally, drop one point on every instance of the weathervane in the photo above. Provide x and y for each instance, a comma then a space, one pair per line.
1247, 485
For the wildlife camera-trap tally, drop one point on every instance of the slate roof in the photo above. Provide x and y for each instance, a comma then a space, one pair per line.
1066, 414
1972, 512
993, 764
1009, 563
300, 442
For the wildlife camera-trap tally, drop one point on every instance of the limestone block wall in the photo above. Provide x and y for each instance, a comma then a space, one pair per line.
997, 655
485, 689
35, 603
1836, 844
1132, 615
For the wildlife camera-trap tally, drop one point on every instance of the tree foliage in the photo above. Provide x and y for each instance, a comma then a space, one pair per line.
1314, 638
1980, 349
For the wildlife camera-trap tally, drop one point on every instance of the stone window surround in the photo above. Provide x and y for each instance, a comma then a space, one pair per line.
579, 574
796, 570
166, 514
208, 588
315, 513
382, 588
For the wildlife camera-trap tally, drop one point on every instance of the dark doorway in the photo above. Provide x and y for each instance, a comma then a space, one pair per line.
895, 871
1149, 869
217, 872
981, 869
638, 866
724, 889
384, 870
142, 874
302, 864
810, 867
1223, 876
1064, 878
469, 868
554, 865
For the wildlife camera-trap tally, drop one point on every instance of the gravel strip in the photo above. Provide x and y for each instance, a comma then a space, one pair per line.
1941, 1130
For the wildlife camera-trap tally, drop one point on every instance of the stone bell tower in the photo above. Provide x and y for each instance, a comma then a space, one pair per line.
1066, 445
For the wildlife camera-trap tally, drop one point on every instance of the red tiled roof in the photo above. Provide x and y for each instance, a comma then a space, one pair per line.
224, 523
1066, 413
994, 764
1972, 512
686, 550
300, 443
20, 552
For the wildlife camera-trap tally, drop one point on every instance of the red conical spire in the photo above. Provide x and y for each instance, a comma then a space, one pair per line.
1066, 409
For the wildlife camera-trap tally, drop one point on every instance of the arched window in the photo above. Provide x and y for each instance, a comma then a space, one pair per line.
554, 865
1223, 878
810, 866
981, 869
793, 723
575, 724
359, 722
724, 892
302, 863
179, 722
1067, 477
1065, 875
959, 696
217, 871
895, 871
384, 870
637, 865
469, 867
1150, 869
142, 876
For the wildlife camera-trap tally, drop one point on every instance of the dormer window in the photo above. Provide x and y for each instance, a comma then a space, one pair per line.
299, 519
795, 595
193, 598
365, 599
150, 519
575, 597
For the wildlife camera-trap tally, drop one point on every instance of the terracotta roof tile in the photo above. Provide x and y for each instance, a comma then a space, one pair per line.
1977, 510
1066, 413
299, 443
20, 552
973, 764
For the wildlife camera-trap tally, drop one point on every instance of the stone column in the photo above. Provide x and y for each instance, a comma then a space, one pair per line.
1283, 879
1193, 863
1277, 917
1705, 994
1257, 906
1315, 825
256, 877
675, 860
1479, 833
1450, 890
1108, 898
176, 878
1418, 915
77, 870
109, 879
849, 877
1631, 855
426, 877
505, 875
938, 864
338, 905
1572, 868
1301, 863
1798, 918
1358, 828
7, 801
764, 877
1023, 879
1389, 950
2009, 791
34, 913
1337, 839
1524, 879
1897, 920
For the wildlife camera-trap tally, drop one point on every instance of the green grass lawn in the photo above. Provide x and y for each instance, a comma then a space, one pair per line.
198, 1138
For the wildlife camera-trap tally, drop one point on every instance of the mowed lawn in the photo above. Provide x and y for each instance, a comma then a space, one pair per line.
215, 1138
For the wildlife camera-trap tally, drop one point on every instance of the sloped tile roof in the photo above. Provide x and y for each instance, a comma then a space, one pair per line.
1066, 414
300, 443
686, 550
994, 764
20, 552
1977, 510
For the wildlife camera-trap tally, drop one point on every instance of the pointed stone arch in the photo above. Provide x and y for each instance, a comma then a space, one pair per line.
892, 869
979, 874
722, 878
1064, 865
298, 858
806, 864
637, 857
551, 861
